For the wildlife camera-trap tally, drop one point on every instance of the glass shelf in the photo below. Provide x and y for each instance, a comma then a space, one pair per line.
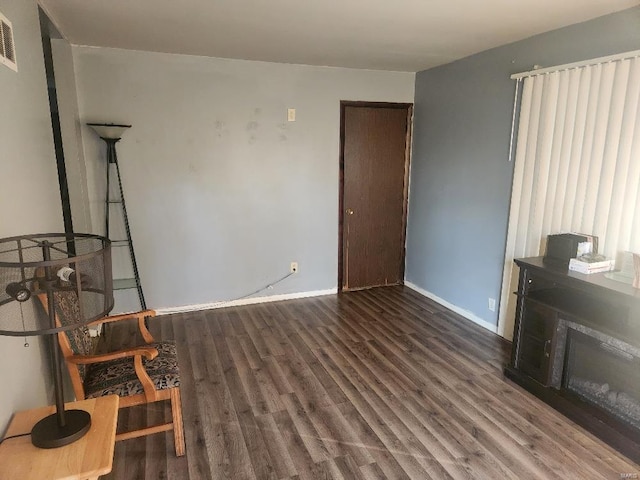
124, 283
119, 243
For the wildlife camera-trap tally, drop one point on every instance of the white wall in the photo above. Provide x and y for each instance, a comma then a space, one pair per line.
222, 192
29, 192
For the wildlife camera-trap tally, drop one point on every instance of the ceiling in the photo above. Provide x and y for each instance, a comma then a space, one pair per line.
401, 35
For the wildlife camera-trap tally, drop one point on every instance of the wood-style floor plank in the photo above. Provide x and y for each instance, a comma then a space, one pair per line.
369, 385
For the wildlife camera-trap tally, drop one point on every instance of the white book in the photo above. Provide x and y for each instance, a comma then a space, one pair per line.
590, 267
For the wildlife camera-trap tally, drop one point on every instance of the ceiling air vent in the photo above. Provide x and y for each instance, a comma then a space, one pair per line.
7, 47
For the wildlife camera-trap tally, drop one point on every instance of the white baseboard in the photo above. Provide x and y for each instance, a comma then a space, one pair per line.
245, 301
460, 311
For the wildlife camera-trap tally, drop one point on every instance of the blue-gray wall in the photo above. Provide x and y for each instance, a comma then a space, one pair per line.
460, 174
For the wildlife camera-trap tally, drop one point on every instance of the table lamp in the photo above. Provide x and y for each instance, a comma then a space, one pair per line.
34, 271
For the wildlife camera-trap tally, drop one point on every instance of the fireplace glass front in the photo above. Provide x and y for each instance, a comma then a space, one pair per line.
605, 372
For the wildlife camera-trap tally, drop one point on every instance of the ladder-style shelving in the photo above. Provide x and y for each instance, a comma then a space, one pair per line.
116, 219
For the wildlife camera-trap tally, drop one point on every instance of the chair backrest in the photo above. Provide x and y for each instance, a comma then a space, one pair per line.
72, 342
68, 309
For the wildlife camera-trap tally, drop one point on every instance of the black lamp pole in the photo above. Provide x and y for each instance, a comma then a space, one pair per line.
55, 348
112, 158
64, 427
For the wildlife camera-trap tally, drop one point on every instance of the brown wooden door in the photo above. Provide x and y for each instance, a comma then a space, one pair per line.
373, 200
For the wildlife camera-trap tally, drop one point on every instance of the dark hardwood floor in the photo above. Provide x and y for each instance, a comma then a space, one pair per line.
375, 384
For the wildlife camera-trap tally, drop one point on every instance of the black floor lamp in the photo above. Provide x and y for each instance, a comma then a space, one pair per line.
34, 271
111, 133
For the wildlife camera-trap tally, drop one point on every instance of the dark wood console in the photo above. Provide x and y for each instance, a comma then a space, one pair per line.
576, 345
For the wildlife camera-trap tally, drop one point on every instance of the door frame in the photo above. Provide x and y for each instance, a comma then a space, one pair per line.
405, 194
49, 31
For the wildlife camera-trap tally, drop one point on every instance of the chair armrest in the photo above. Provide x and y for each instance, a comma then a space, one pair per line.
137, 353
144, 331
148, 352
125, 316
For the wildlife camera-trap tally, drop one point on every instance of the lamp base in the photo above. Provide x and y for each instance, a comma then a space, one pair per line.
48, 434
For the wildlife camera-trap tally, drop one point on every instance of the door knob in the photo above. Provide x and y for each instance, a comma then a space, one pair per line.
349, 211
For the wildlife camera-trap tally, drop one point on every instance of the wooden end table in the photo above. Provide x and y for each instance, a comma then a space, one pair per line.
86, 458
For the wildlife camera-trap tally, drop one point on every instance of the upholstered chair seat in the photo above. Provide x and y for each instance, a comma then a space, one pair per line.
118, 377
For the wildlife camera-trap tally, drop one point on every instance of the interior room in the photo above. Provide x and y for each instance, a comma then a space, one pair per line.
327, 204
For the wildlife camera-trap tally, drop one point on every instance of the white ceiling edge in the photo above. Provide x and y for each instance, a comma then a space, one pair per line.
76, 18
231, 59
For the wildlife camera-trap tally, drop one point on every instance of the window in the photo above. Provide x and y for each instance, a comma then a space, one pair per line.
577, 162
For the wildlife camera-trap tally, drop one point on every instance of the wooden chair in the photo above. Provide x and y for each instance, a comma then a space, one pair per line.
139, 375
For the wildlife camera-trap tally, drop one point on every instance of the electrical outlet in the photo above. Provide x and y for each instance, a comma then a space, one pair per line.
492, 304
294, 267
291, 114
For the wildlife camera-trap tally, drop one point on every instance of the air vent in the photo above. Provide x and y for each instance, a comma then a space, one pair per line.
7, 47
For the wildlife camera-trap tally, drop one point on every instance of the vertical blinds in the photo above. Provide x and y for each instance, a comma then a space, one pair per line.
577, 164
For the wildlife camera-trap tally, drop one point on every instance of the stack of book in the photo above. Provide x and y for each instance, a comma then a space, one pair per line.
591, 263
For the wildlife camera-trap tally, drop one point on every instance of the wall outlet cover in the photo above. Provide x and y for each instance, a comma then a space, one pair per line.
492, 304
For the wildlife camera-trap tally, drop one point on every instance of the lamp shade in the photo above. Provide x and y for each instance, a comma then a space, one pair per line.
33, 265
109, 131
